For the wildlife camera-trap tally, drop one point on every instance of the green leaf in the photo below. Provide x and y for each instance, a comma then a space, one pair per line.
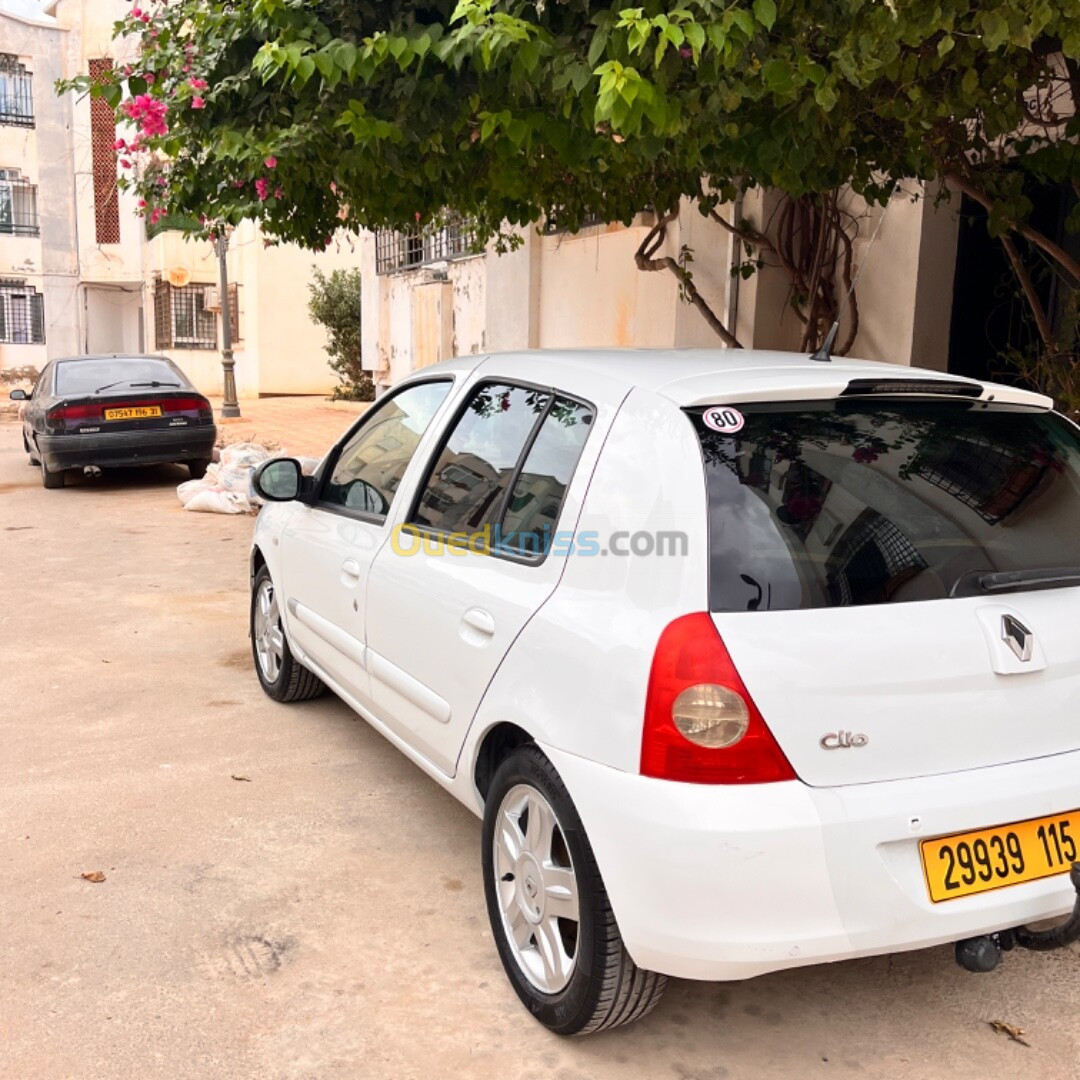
826, 97
945, 45
695, 34
995, 29
744, 21
970, 83
777, 75
765, 12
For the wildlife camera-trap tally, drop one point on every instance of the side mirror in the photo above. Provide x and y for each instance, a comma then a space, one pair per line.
19, 395
279, 480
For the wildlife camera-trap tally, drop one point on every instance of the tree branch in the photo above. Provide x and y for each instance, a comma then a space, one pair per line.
1055, 251
1037, 309
645, 258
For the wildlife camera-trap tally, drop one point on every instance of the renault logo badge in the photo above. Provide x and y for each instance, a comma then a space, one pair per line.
1018, 637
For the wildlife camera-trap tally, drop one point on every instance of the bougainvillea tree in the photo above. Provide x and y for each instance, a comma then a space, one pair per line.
310, 115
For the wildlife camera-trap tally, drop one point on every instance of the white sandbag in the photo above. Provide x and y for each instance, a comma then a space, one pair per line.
211, 501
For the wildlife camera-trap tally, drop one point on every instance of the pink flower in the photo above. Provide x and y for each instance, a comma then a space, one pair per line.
198, 103
278, 193
271, 162
124, 163
198, 84
686, 53
145, 17
156, 215
150, 78
119, 145
262, 187
239, 183
142, 204
136, 13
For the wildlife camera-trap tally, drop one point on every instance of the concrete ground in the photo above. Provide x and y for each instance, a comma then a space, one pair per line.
285, 896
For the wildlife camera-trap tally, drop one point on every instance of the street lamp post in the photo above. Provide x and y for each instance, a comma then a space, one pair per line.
229, 406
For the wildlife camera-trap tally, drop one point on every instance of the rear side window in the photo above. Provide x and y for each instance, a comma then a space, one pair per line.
835, 504
135, 373
505, 466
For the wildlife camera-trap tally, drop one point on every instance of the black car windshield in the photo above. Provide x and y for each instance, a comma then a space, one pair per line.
89, 376
834, 504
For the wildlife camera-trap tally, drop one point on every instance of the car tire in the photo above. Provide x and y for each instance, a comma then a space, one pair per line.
31, 458
599, 986
49, 479
198, 467
281, 675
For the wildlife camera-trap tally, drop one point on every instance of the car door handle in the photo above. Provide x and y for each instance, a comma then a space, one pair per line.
350, 569
480, 620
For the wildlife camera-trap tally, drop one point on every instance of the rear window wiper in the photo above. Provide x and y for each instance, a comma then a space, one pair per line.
1007, 580
128, 382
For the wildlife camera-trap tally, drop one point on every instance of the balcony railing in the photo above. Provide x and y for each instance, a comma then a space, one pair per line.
452, 239
16, 92
18, 209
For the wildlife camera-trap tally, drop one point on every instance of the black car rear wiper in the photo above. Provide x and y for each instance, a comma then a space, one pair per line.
1007, 580
128, 382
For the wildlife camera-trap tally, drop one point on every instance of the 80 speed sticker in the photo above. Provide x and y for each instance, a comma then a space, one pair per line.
723, 418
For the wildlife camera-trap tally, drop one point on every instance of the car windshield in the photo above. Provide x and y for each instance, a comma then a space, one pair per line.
834, 504
89, 376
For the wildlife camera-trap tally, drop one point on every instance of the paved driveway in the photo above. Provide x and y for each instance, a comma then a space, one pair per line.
323, 917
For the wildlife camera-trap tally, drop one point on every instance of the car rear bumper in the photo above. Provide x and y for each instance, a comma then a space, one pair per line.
712, 882
147, 447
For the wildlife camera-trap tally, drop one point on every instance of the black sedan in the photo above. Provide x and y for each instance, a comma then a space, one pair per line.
115, 410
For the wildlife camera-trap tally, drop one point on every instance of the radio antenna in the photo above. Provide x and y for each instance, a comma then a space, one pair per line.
824, 354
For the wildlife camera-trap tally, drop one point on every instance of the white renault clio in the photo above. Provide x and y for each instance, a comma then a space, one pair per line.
748, 661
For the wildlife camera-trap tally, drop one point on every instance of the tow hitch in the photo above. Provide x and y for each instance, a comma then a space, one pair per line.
984, 953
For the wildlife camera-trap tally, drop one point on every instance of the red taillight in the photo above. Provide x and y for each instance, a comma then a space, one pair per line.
691, 653
60, 414
185, 404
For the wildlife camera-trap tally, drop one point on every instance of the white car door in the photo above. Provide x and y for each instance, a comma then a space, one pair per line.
327, 549
460, 579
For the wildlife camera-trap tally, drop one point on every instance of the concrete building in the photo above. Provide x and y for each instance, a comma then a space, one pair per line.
427, 297
79, 270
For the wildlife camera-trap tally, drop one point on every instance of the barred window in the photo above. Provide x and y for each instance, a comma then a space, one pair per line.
18, 205
553, 226
22, 314
16, 92
181, 319
103, 159
453, 238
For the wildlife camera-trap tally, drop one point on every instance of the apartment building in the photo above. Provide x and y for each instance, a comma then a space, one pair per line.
80, 271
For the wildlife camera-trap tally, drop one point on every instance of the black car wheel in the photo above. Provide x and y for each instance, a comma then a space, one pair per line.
30, 453
549, 911
50, 479
198, 467
281, 675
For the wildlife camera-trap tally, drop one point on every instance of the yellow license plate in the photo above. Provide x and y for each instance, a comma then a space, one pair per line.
976, 862
140, 412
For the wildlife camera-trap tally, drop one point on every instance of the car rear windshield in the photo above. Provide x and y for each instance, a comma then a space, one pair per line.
116, 373
841, 503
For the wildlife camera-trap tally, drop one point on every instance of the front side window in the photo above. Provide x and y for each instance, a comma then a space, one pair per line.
371, 464
505, 468
836, 504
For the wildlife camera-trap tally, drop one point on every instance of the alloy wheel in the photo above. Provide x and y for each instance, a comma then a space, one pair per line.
267, 632
537, 889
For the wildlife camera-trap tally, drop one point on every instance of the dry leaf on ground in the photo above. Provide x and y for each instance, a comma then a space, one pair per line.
1013, 1032
96, 876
